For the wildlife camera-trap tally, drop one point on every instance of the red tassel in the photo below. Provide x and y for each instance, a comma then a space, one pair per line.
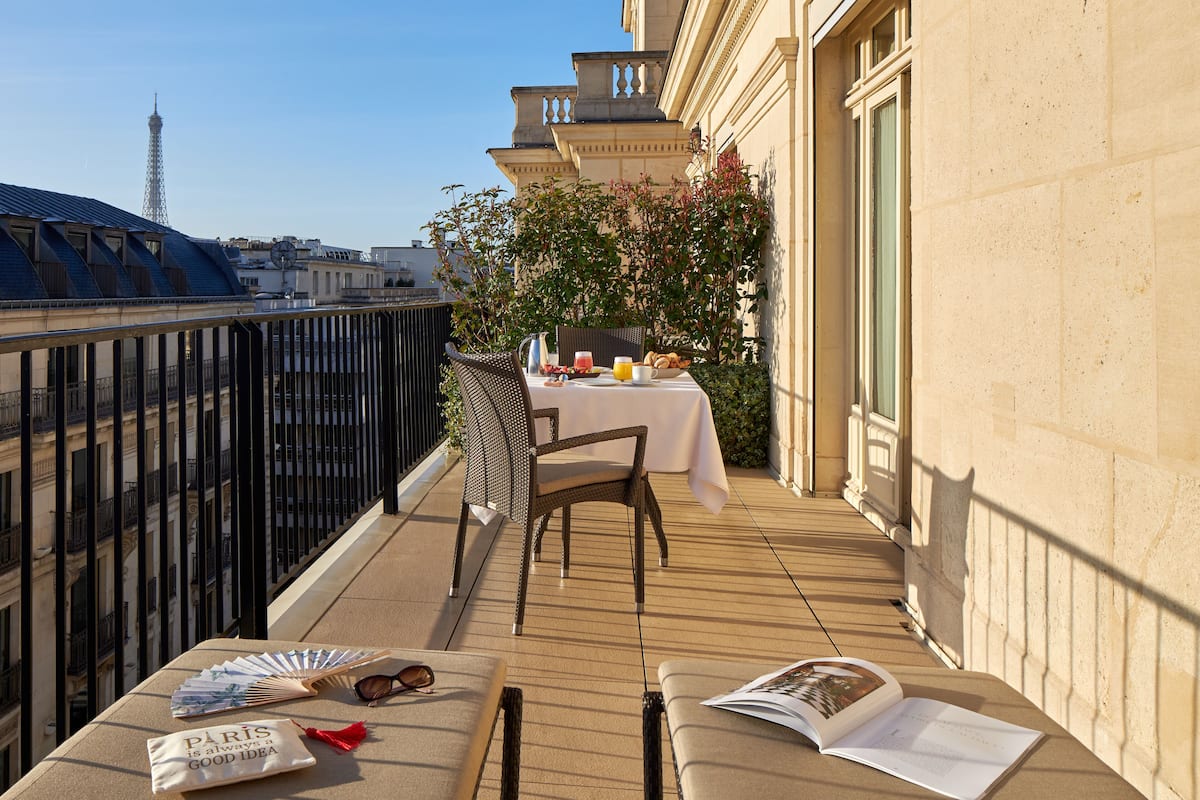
347, 738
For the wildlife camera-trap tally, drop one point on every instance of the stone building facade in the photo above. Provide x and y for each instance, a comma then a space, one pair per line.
982, 330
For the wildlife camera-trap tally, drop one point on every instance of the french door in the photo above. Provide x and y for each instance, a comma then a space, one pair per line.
878, 415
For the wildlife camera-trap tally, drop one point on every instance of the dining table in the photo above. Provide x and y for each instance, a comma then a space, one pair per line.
681, 435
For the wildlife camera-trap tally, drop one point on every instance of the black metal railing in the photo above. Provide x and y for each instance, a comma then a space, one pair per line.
10, 686
130, 498
77, 525
45, 398
106, 644
210, 572
10, 547
311, 416
226, 469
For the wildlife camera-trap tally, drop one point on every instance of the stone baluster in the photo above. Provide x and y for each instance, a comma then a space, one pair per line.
537, 108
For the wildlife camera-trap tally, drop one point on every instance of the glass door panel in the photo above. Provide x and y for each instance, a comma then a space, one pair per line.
885, 213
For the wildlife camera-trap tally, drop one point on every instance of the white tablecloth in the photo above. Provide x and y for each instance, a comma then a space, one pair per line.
681, 435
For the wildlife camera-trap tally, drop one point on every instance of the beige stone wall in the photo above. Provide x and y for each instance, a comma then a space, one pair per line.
1055, 280
1056, 373
1055, 445
652, 22
745, 88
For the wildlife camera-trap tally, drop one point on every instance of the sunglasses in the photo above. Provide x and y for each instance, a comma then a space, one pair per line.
374, 688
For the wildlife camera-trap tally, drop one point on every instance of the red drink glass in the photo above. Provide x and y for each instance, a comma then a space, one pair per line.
583, 360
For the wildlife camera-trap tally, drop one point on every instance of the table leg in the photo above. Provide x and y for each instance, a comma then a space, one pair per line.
655, 513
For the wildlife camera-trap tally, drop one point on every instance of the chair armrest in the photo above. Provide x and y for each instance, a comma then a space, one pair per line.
637, 432
613, 434
552, 415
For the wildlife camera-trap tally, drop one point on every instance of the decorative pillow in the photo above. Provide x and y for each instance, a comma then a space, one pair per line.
222, 754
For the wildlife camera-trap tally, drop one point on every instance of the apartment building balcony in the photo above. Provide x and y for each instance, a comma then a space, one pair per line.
10, 548
45, 399
106, 643
359, 295
77, 525
771, 579
210, 470
574, 131
10, 687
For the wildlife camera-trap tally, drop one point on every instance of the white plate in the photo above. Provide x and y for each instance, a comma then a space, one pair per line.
603, 380
648, 383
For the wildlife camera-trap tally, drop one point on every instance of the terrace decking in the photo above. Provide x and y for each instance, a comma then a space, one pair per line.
774, 578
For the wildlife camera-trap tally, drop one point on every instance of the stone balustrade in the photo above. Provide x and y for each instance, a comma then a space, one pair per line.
539, 107
612, 87
619, 86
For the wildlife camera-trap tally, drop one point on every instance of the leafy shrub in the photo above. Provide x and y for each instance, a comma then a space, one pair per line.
683, 260
741, 402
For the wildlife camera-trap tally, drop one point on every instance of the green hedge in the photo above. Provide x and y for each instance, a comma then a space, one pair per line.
741, 404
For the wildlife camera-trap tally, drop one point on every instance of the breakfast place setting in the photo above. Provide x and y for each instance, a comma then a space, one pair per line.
597, 391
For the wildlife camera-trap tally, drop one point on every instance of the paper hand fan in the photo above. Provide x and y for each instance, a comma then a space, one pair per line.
266, 678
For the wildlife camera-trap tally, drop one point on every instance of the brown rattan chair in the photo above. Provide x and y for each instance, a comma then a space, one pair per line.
605, 344
506, 471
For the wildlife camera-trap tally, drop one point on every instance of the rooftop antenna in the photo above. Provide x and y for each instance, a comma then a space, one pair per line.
154, 204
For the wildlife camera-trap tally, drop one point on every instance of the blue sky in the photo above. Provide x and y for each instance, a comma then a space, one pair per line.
335, 120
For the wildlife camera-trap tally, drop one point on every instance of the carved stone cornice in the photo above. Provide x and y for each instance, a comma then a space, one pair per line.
668, 139
709, 36
525, 165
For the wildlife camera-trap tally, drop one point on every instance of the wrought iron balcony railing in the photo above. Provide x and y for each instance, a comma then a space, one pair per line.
10, 686
106, 644
10, 547
298, 479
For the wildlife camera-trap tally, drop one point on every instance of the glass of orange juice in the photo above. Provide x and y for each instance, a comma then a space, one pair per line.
623, 368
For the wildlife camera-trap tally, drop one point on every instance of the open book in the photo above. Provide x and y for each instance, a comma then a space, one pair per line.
854, 709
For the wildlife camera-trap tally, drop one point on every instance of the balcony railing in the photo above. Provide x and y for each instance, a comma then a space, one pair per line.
10, 547
106, 644
44, 399
10, 686
193, 470
77, 526
364, 408
612, 87
389, 294
130, 497
210, 572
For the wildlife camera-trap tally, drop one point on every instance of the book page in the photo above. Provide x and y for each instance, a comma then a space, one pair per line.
822, 698
942, 747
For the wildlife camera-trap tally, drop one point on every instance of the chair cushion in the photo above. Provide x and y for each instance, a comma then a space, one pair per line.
556, 476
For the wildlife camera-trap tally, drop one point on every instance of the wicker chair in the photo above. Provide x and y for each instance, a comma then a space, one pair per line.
605, 344
505, 470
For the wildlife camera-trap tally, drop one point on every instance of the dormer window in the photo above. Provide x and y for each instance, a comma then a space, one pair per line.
79, 241
24, 236
155, 248
116, 243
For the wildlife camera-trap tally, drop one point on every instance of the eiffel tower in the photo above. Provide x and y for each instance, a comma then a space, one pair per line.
154, 204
